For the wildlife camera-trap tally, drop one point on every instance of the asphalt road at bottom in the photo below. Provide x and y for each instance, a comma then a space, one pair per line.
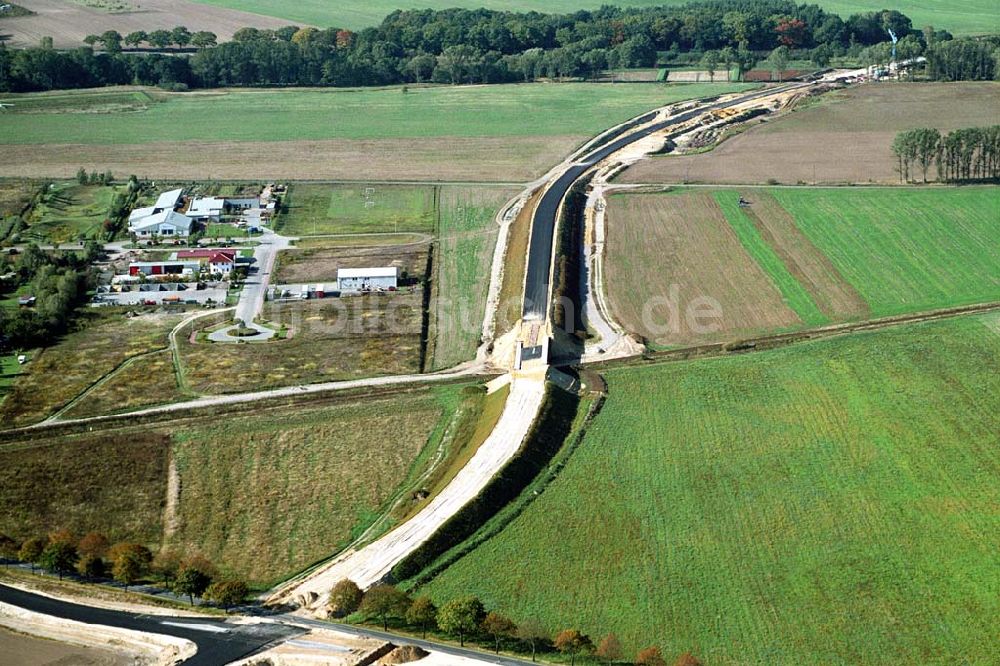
218, 642
453, 650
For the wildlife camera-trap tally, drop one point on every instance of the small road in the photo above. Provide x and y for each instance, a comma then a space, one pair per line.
452, 650
255, 286
372, 563
218, 642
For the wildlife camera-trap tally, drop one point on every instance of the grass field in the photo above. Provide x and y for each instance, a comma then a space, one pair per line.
330, 339
497, 133
320, 264
68, 212
834, 502
906, 250
268, 496
798, 256
113, 483
145, 382
966, 16
845, 138
58, 373
362, 208
467, 235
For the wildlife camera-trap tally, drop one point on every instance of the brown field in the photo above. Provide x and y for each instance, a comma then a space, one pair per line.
21, 650
332, 339
815, 272
68, 22
15, 195
486, 159
681, 243
112, 483
320, 265
843, 138
145, 382
59, 373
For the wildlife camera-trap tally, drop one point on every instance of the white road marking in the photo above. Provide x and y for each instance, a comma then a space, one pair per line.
211, 628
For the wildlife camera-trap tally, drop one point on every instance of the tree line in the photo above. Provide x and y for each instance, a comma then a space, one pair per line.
93, 558
971, 154
457, 46
466, 618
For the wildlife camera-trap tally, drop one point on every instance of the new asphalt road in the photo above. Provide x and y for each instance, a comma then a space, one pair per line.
536, 286
218, 642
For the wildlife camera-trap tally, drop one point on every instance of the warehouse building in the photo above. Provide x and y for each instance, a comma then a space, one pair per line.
368, 279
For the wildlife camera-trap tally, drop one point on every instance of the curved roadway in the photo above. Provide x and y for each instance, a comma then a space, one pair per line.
218, 642
543, 225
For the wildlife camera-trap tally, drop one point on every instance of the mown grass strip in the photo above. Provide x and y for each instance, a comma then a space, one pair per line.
792, 291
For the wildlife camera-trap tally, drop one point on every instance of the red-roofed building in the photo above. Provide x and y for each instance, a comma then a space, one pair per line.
219, 261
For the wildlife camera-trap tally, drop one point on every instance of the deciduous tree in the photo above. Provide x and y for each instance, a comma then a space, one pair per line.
498, 626
532, 632
650, 656
422, 613
31, 551
228, 593
609, 649
573, 643
461, 617
345, 598
384, 601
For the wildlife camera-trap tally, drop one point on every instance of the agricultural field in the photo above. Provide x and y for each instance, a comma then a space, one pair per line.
113, 483
500, 133
268, 496
679, 248
358, 209
327, 340
844, 137
261, 496
797, 256
69, 21
832, 502
57, 374
15, 196
967, 17
68, 212
467, 234
321, 264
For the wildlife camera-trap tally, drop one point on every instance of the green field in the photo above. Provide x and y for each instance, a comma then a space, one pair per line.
270, 115
963, 16
906, 249
833, 502
69, 211
363, 208
467, 234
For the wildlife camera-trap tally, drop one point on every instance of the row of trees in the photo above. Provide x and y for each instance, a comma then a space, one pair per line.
456, 46
961, 155
181, 37
467, 618
93, 557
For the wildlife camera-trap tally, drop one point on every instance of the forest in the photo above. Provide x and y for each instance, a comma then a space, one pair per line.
483, 46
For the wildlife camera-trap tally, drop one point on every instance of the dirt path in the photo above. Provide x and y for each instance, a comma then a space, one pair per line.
171, 521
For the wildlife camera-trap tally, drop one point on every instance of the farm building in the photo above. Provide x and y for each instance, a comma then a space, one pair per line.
164, 268
167, 201
362, 279
217, 261
164, 223
206, 209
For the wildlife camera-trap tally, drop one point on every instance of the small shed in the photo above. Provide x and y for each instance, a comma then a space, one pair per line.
368, 279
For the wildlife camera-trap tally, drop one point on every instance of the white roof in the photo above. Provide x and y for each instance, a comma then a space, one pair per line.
169, 199
140, 213
389, 271
206, 206
167, 217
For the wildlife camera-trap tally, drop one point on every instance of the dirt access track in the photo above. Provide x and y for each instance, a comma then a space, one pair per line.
842, 137
68, 22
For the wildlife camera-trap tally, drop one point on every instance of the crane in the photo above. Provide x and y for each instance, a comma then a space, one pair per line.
892, 35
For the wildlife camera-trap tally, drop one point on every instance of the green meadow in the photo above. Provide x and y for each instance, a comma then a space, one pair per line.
960, 16
832, 502
287, 115
905, 249
364, 208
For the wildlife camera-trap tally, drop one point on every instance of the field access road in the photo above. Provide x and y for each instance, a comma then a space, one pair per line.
255, 286
372, 563
218, 642
536, 285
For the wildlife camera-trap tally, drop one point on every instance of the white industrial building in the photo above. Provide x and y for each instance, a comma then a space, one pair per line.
167, 223
206, 209
367, 279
